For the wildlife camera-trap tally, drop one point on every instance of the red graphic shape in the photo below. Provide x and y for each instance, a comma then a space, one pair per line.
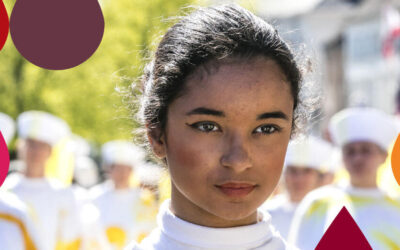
343, 234
4, 159
4, 24
59, 34
395, 160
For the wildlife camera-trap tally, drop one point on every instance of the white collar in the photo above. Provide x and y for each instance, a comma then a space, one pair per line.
291, 204
125, 191
34, 182
280, 201
39, 183
364, 192
207, 237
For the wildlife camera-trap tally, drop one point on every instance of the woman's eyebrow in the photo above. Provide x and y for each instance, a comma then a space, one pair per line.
206, 111
275, 114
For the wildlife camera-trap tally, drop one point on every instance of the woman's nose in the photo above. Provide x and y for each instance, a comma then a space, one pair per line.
236, 155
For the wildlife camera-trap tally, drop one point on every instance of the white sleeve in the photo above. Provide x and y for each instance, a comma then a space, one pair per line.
94, 237
32, 234
70, 228
308, 223
16, 229
132, 246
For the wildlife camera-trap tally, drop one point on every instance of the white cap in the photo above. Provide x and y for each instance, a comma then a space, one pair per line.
80, 146
122, 152
363, 124
310, 152
150, 173
42, 126
7, 127
86, 171
336, 160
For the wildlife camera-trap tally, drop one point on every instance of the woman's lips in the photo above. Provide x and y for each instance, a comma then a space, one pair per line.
236, 190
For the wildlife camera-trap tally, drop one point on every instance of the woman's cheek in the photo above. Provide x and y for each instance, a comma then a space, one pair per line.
271, 159
188, 154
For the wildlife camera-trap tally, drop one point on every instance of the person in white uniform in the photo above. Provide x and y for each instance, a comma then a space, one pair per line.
150, 176
126, 213
306, 163
52, 208
7, 127
335, 166
16, 229
85, 176
364, 135
220, 103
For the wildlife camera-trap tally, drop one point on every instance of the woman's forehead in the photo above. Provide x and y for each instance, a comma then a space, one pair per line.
232, 64
251, 87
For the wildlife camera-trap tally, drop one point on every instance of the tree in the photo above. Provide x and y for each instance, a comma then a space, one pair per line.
86, 96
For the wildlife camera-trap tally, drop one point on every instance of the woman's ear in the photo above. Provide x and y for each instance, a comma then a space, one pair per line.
157, 141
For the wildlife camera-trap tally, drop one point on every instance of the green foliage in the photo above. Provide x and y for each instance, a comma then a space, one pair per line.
86, 96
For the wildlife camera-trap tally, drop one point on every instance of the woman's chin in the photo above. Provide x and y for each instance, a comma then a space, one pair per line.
237, 216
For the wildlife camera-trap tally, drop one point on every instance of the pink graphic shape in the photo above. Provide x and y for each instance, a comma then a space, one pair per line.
4, 159
4, 24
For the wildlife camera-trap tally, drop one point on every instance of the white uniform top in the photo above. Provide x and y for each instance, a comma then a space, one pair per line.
100, 189
376, 214
126, 215
93, 237
282, 211
53, 210
16, 229
177, 234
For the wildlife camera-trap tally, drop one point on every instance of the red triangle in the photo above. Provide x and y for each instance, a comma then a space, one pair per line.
343, 234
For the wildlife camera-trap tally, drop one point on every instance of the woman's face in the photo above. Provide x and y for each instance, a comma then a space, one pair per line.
225, 141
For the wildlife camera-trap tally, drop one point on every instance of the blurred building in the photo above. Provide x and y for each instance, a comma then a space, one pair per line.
348, 41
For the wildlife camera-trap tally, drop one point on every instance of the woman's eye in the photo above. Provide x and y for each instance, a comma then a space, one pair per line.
267, 129
205, 126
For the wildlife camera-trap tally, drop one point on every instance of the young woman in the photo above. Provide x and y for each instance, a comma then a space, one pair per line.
220, 103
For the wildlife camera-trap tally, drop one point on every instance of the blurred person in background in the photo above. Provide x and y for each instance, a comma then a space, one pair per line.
126, 213
7, 127
306, 163
16, 228
150, 176
364, 135
386, 178
86, 171
52, 208
17, 231
397, 104
86, 176
334, 165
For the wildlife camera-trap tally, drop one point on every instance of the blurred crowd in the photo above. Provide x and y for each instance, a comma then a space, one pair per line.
57, 196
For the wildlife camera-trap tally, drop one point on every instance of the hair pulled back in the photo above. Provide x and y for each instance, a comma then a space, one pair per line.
210, 34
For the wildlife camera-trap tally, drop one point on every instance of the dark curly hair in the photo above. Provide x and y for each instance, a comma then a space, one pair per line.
212, 34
